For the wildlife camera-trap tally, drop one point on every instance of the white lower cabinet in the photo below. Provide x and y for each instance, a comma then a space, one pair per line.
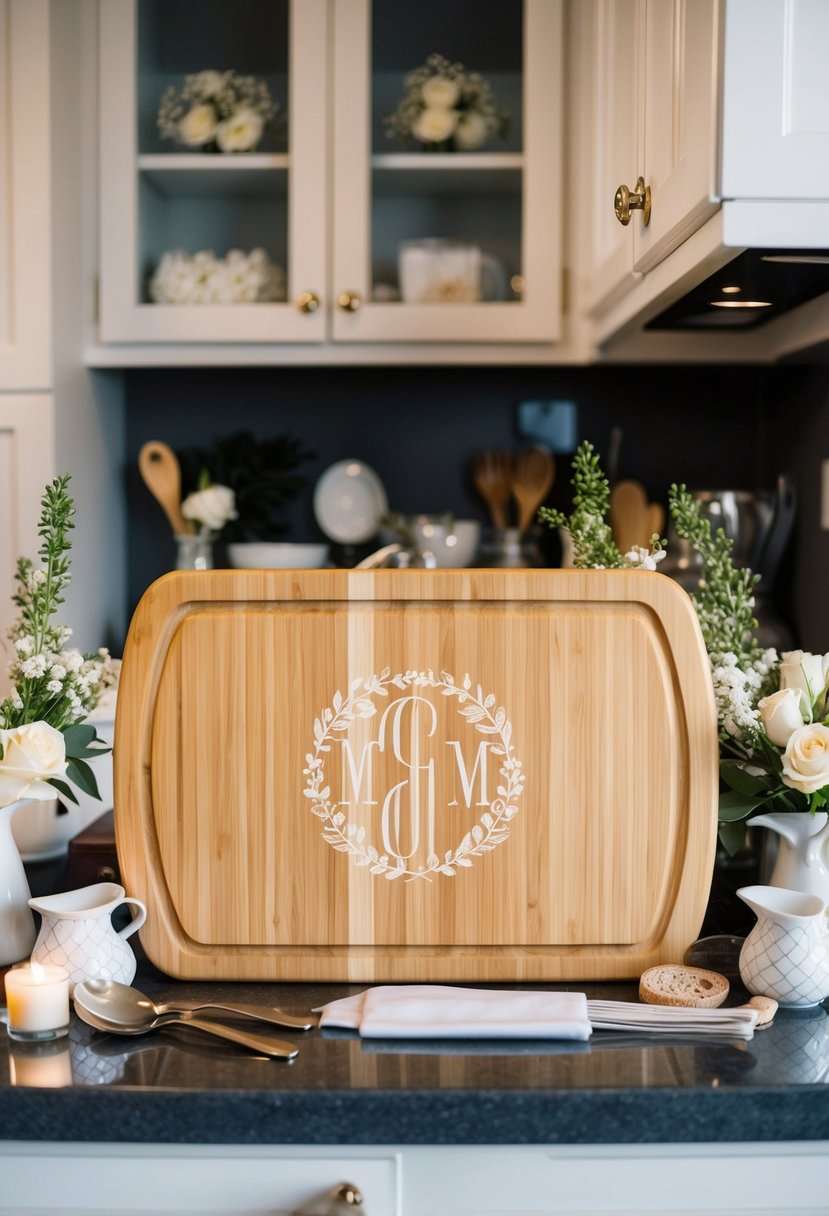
680, 1180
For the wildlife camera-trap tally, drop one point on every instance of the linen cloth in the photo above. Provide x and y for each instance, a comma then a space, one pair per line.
432, 1011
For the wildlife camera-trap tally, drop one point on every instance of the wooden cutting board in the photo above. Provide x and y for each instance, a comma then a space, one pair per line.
416, 775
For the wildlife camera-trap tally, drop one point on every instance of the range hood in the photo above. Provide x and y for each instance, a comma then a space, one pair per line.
754, 288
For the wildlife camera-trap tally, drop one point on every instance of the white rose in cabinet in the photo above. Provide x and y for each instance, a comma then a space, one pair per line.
333, 199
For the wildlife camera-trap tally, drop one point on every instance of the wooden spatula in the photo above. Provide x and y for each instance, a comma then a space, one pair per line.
162, 476
532, 480
629, 514
654, 521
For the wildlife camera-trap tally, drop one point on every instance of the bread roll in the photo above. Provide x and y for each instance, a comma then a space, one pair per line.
675, 984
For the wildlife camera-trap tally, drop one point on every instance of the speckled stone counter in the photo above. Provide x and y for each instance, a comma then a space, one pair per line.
178, 1086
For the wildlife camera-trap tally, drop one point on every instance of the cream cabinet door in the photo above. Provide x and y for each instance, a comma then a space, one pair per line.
776, 100
679, 131
656, 110
25, 348
26, 465
505, 201
155, 200
614, 36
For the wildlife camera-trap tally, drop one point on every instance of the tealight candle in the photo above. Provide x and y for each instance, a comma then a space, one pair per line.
38, 1002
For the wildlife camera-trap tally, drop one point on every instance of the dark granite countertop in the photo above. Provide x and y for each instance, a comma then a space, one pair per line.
180, 1087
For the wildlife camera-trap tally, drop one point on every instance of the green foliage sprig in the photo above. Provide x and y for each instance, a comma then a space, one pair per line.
724, 599
53, 683
593, 544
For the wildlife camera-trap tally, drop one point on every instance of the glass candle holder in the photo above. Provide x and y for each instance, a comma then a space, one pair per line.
37, 998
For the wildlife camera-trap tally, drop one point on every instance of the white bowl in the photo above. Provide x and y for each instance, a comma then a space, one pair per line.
273, 555
453, 542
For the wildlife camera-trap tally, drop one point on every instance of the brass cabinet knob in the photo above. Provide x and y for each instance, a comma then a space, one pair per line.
349, 301
638, 199
308, 301
346, 1192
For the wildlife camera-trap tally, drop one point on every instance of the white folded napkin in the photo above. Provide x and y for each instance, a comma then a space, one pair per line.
431, 1011
427, 1011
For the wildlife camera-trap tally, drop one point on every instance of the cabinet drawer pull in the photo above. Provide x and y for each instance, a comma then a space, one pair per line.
349, 301
308, 301
638, 199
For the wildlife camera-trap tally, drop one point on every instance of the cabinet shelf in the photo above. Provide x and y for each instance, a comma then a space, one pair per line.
196, 174
419, 173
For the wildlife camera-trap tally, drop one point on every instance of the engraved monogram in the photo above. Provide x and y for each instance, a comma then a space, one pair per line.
406, 814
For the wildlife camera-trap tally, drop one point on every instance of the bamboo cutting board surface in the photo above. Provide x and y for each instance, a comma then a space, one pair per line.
416, 775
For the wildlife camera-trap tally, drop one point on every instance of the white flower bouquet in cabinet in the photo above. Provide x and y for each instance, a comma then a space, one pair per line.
204, 278
445, 107
217, 112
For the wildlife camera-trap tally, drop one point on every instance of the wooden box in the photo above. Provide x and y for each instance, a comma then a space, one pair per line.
416, 775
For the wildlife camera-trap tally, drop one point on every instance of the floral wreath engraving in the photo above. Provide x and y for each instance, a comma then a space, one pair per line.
478, 709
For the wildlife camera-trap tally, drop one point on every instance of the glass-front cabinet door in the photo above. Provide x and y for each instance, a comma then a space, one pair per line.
213, 171
447, 193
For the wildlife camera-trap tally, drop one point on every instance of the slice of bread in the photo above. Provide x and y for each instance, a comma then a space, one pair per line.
674, 984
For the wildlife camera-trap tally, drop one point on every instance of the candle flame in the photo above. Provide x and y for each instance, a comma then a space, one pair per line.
38, 973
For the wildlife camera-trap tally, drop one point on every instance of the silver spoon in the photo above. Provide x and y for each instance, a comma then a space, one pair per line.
111, 998
138, 1015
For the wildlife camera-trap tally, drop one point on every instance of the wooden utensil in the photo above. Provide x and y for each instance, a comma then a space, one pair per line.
628, 514
246, 855
532, 480
492, 474
654, 521
162, 476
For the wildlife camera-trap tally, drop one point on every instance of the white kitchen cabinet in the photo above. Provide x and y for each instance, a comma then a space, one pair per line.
25, 185
775, 157
154, 200
656, 65
334, 204
495, 1180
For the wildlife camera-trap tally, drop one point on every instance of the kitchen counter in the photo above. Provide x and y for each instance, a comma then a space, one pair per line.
620, 1088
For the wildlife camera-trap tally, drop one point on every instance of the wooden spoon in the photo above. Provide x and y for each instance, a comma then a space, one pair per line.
162, 476
492, 474
654, 521
628, 514
532, 480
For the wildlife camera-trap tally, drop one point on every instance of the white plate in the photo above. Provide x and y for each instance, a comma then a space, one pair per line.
349, 501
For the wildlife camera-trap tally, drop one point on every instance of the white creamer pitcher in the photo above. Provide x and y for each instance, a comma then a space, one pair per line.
786, 954
77, 933
802, 863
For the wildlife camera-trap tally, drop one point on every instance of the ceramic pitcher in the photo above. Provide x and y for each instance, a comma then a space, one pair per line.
802, 863
77, 933
786, 955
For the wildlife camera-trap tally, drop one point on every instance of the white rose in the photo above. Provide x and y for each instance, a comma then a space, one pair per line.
31, 755
472, 131
806, 759
212, 507
434, 126
800, 669
781, 714
440, 93
241, 132
198, 126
